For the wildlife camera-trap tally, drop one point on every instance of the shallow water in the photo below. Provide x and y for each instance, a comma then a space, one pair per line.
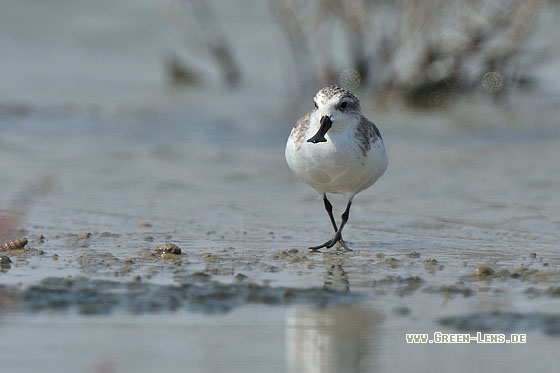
245, 295
102, 162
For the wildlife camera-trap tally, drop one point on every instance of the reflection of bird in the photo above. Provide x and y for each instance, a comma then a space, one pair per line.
340, 338
337, 278
335, 149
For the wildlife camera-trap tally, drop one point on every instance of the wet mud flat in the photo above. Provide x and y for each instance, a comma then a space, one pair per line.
284, 301
160, 236
166, 278
364, 302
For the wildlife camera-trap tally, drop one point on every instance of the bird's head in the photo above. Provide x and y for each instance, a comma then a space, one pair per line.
333, 106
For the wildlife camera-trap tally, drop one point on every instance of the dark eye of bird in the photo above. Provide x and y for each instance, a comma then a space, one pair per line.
314, 103
344, 105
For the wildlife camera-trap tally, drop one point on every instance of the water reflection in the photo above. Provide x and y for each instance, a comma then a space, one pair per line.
336, 278
332, 339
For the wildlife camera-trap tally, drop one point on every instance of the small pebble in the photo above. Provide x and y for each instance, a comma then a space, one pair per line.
483, 271
209, 257
168, 248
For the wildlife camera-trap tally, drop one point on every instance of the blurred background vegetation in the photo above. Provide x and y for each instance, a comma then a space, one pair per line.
423, 53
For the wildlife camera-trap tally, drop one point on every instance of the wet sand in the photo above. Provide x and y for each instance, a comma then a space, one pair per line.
459, 236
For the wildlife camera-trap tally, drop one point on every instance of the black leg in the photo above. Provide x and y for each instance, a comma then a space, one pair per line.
328, 207
338, 235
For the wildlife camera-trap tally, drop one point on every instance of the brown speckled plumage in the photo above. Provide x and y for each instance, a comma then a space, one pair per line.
366, 134
329, 92
300, 129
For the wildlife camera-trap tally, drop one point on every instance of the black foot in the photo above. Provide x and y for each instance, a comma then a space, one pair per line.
342, 245
336, 240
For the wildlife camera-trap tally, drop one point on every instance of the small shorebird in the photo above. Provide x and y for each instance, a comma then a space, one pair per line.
335, 149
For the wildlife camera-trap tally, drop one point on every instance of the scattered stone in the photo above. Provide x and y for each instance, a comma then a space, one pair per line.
5, 262
4, 259
523, 272
281, 255
483, 271
392, 262
272, 269
167, 251
292, 255
209, 257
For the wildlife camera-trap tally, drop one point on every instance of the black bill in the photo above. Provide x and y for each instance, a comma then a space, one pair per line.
326, 124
